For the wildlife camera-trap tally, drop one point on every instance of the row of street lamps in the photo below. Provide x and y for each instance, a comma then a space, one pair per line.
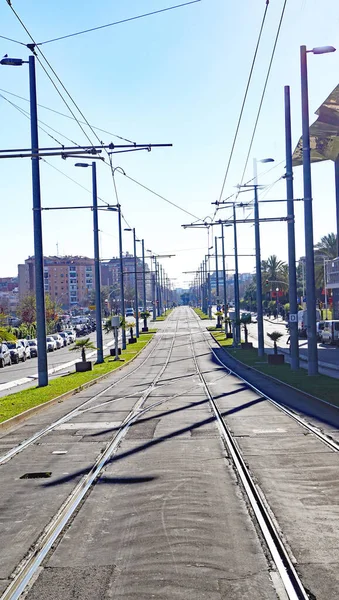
308, 226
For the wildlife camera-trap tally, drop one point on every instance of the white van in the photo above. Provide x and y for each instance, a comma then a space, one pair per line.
330, 333
302, 321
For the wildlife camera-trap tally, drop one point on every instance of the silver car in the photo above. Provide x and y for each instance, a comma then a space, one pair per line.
58, 340
5, 355
27, 347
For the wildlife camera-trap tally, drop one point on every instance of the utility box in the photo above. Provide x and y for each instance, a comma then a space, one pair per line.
231, 315
115, 321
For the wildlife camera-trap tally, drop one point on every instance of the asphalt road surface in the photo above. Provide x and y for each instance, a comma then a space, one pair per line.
167, 516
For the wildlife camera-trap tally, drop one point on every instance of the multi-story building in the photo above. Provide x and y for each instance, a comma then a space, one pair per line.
8, 284
67, 279
110, 274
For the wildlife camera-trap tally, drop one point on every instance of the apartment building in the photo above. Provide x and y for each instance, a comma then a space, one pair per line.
67, 279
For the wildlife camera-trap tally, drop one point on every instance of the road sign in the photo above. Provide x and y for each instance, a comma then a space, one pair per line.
92, 307
293, 318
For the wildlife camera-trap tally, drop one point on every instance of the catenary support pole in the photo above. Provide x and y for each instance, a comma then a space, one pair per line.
37, 224
122, 290
336, 173
236, 280
100, 350
136, 301
216, 270
312, 349
292, 276
260, 315
224, 274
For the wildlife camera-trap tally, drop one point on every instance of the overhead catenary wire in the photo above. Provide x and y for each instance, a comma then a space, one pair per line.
264, 89
57, 112
3, 37
142, 16
26, 114
244, 100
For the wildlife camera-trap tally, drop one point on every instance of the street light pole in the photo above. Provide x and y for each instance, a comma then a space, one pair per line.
292, 278
216, 269
312, 349
100, 350
38, 249
122, 291
224, 275
236, 282
144, 274
136, 302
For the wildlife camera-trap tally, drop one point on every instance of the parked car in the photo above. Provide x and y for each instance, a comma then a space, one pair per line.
330, 333
302, 321
33, 344
5, 355
71, 335
129, 312
50, 344
27, 347
58, 340
17, 352
65, 338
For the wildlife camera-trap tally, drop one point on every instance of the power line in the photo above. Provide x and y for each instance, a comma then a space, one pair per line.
10, 40
161, 197
244, 100
32, 48
26, 114
68, 116
155, 12
264, 90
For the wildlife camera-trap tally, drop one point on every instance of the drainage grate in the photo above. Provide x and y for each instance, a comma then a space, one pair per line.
37, 475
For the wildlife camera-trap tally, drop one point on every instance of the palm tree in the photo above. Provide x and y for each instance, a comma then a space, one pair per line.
274, 269
326, 249
83, 345
275, 336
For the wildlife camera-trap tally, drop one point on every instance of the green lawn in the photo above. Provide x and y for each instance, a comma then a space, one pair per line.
17, 403
201, 314
321, 386
164, 315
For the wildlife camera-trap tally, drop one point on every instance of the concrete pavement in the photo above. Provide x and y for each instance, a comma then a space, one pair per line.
167, 518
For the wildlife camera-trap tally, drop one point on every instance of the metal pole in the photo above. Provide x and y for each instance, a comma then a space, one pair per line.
144, 273
292, 276
209, 295
236, 280
136, 302
312, 349
159, 290
37, 231
154, 297
325, 289
336, 172
100, 350
260, 316
156, 293
216, 269
224, 274
122, 291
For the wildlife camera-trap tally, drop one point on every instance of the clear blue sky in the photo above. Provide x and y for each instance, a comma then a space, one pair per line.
176, 77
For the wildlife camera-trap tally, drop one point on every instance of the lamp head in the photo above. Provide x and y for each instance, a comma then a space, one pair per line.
82, 165
323, 50
266, 160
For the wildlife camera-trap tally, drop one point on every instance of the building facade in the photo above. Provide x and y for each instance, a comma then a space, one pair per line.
67, 279
332, 285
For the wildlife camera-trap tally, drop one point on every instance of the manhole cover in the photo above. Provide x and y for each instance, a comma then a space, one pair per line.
37, 475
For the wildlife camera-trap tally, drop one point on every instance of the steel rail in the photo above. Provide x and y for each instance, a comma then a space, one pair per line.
328, 441
28, 567
287, 572
76, 411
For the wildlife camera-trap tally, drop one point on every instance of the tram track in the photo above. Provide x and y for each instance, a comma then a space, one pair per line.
81, 409
28, 567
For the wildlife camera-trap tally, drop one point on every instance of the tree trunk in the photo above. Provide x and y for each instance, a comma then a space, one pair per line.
246, 334
83, 354
275, 348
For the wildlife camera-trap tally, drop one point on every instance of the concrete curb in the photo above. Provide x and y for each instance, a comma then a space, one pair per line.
278, 381
21, 417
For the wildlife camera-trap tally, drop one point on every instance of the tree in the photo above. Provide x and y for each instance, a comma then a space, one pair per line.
6, 336
27, 309
275, 336
82, 346
326, 249
274, 269
245, 320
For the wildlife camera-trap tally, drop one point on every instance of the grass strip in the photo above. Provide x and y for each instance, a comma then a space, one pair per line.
16, 403
164, 315
201, 314
321, 386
